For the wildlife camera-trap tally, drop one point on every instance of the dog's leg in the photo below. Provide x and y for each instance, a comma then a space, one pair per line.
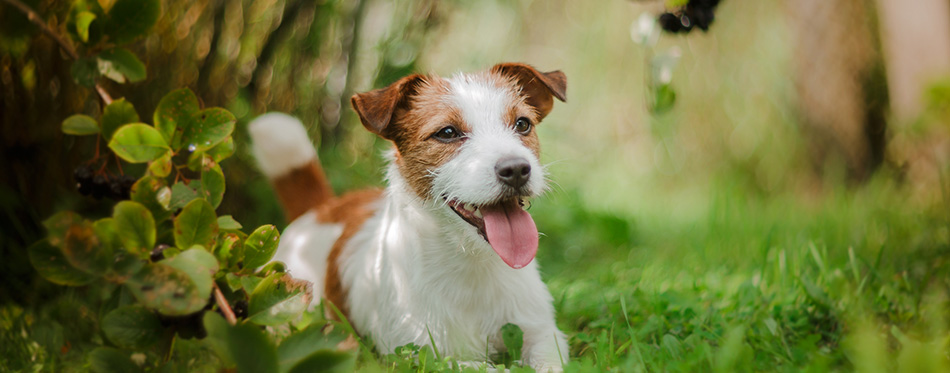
545, 347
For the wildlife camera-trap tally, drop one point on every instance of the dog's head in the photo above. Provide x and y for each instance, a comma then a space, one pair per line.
468, 145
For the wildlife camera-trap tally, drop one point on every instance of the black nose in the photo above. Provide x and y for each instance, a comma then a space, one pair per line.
513, 171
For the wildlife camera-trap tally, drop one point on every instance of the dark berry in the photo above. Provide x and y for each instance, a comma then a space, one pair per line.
83, 175
100, 187
158, 253
240, 309
670, 22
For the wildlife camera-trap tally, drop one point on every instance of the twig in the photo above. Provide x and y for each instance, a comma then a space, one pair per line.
38, 21
224, 306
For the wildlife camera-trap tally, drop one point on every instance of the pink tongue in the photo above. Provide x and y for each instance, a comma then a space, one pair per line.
511, 232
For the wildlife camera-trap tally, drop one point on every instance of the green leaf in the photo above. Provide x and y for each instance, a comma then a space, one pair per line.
223, 150
245, 345
249, 283
199, 265
108, 234
152, 193
182, 195
119, 64
166, 289
210, 127
513, 338
83, 20
278, 299
196, 225
260, 246
132, 326
225, 245
663, 98
327, 360
131, 19
300, 345
227, 223
83, 250
58, 224
50, 263
138, 143
80, 125
136, 227
85, 71
175, 112
120, 112
212, 182
161, 166
110, 360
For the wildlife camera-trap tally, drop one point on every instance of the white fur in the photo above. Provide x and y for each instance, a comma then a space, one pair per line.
415, 268
280, 144
304, 247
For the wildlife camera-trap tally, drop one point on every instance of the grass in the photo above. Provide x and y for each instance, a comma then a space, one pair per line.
755, 283
852, 280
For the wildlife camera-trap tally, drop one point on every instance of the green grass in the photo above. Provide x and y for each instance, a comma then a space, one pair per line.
850, 279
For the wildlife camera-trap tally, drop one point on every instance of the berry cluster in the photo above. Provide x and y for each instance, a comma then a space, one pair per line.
697, 13
89, 183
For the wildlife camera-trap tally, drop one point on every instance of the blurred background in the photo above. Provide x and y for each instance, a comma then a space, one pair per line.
787, 122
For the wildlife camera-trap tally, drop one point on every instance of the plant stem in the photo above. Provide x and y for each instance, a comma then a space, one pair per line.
224, 306
38, 21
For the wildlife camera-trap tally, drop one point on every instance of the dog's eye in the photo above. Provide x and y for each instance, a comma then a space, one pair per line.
448, 134
523, 125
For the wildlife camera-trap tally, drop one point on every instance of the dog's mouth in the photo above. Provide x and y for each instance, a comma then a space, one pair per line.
507, 227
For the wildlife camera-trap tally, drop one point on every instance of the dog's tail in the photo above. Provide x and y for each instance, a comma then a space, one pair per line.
286, 156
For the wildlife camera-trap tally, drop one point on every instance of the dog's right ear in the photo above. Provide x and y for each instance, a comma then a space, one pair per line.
376, 107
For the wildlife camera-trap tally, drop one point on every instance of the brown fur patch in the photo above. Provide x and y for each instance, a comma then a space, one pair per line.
351, 210
302, 189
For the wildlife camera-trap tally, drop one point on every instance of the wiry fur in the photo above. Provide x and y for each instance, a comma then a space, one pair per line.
411, 266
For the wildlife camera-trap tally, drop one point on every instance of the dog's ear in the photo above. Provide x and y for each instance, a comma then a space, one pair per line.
376, 107
539, 88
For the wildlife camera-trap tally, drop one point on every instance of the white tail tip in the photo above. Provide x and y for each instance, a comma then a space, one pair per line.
280, 144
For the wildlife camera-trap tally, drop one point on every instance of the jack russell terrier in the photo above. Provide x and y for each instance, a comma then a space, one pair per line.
447, 247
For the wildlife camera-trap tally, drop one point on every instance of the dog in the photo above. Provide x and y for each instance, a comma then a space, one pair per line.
444, 255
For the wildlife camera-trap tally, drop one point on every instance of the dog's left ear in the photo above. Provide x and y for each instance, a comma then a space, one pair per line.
539, 88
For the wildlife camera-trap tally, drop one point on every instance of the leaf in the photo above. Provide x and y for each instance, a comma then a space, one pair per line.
260, 246
135, 226
152, 193
131, 19
226, 222
199, 265
278, 299
223, 150
212, 182
210, 127
132, 326
513, 338
138, 143
196, 225
58, 224
175, 112
119, 64
300, 345
245, 345
83, 20
85, 71
111, 360
167, 290
80, 125
225, 245
182, 195
53, 266
82, 249
663, 98
161, 166
120, 112
327, 360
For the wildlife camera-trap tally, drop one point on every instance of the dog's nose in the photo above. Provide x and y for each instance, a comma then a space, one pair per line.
513, 171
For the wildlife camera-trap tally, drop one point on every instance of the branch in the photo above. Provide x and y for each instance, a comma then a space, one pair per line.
223, 305
38, 21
